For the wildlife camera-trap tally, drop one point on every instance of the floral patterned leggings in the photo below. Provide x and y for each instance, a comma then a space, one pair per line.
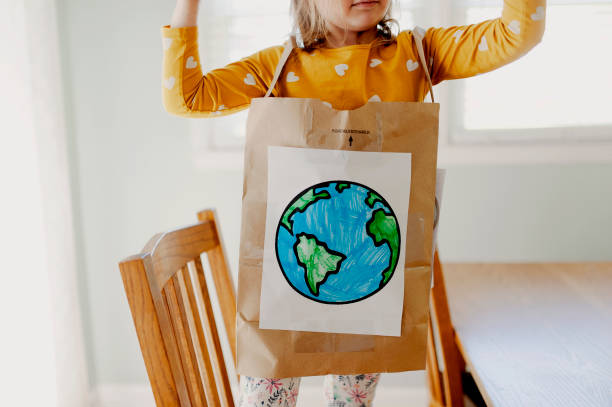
340, 391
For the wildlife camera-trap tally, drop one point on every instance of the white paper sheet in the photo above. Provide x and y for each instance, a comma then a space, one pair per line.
440, 176
333, 260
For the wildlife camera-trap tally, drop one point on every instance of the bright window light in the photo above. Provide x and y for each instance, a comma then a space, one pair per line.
563, 81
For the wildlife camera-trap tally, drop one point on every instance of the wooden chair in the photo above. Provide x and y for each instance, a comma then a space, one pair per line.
449, 383
171, 307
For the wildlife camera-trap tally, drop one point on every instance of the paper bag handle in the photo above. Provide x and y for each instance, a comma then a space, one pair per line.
291, 43
418, 38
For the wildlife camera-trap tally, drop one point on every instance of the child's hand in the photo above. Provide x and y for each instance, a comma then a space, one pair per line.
185, 13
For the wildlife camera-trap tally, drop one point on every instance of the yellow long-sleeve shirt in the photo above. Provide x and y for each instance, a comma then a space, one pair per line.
349, 76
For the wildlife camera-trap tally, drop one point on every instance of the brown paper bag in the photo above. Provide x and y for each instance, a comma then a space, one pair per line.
380, 127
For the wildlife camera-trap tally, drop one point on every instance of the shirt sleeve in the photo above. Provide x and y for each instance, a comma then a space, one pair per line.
464, 51
187, 92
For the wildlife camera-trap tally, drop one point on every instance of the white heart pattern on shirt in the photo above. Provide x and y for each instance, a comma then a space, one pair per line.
169, 83
218, 111
483, 46
375, 98
341, 69
249, 79
167, 42
375, 62
411, 65
539, 14
292, 77
191, 63
457, 35
515, 26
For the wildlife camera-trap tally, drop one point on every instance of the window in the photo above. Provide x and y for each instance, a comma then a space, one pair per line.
559, 90
228, 31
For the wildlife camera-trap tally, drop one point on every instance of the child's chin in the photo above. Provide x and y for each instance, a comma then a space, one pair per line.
365, 21
364, 25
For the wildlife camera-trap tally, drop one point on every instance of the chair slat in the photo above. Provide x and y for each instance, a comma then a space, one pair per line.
169, 338
224, 285
227, 299
185, 345
202, 350
433, 369
212, 336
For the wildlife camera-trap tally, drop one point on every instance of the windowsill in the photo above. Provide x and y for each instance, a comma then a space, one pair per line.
524, 153
464, 153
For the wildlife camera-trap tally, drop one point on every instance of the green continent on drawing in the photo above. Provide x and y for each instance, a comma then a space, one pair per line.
308, 198
317, 260
372, 198
382, 228
341, 187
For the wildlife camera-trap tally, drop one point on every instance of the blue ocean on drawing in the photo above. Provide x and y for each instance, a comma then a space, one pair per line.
338, 242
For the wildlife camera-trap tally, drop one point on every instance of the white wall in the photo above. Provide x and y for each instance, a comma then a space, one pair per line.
133, 175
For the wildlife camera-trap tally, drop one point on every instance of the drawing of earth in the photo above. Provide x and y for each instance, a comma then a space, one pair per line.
338, 242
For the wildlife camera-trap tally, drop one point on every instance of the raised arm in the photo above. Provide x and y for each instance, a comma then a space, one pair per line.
185, 13
187, 92
463, 51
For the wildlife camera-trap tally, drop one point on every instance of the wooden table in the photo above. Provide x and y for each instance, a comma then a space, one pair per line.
535, 334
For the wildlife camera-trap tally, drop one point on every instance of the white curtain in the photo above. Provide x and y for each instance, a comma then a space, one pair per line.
41, 345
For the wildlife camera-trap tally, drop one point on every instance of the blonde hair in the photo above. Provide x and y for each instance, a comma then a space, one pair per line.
311, 26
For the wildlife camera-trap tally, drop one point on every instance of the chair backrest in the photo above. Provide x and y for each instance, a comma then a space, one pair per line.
445, 385
171, 307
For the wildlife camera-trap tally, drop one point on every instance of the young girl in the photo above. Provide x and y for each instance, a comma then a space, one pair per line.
348, 56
